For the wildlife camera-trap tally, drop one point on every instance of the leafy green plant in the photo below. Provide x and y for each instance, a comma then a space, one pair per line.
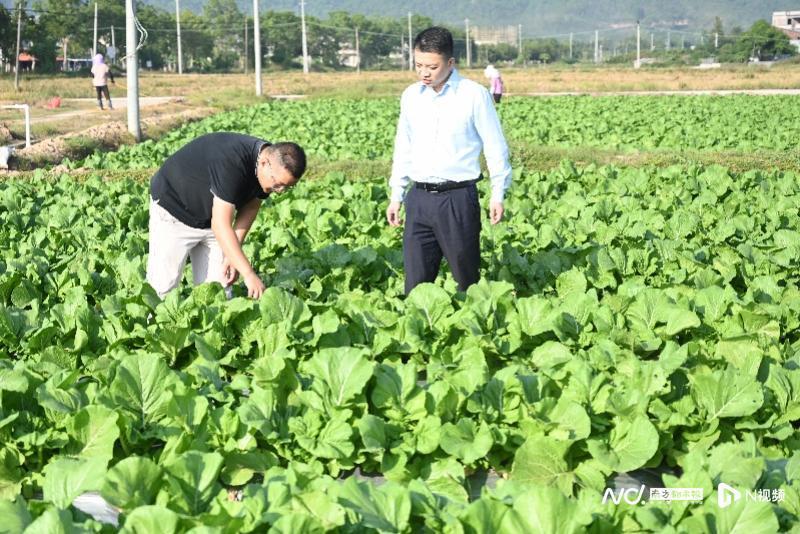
628, 318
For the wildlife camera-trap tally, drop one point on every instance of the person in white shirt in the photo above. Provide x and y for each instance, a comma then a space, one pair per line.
101, 73
445, 122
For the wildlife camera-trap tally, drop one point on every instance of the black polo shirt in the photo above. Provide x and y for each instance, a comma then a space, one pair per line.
221, 164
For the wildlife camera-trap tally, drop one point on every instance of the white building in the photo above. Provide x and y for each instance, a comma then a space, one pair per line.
348, 56
786, 20
494, 35
789, 23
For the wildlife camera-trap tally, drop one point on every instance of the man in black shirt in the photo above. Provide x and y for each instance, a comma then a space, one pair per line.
204, 200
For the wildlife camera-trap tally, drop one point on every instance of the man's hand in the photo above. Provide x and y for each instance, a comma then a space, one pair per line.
495, 212
229, 274
255, 287
393, 214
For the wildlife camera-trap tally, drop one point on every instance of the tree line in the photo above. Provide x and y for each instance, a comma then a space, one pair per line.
219, 39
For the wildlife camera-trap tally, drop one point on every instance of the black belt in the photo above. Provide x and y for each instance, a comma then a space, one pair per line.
444, 186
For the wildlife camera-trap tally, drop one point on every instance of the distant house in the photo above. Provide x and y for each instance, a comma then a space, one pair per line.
27, 62
348, 56
74, 63
674, 24
494, 35
789, 23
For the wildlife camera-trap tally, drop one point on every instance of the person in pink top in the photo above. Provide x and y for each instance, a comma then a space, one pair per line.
495, 82
101, 73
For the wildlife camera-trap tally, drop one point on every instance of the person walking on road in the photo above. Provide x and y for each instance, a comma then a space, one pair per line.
445, 121
101, 73
203, 201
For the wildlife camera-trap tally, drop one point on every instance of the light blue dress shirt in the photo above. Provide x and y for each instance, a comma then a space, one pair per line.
440, 137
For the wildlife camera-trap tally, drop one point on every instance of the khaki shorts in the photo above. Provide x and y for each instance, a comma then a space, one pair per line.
171, 243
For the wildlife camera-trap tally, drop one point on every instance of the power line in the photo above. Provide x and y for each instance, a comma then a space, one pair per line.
345, 29
32, 10
360, 31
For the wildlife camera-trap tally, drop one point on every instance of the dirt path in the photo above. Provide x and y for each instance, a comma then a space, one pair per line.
119, 103
107, 136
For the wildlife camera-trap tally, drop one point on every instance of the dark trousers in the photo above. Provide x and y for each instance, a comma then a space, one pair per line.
446, 224
102, 91
497, 97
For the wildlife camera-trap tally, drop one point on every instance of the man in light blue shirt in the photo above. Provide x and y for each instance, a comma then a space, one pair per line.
445, 122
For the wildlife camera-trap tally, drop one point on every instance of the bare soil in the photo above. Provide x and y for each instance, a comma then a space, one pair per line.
106, 136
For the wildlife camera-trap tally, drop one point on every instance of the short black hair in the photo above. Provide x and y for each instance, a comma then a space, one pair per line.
435, 39
291, 156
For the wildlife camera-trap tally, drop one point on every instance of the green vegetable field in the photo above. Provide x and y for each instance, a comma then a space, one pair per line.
364, 129
630, 321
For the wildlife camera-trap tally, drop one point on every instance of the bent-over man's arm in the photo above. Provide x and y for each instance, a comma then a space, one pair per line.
222, 217
245, 218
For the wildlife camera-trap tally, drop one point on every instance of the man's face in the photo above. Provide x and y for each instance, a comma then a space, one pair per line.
273, 177
432, 68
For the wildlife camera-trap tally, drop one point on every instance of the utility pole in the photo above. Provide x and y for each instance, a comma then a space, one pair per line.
716, 40
358, 54
132, 70
305, 39
113, 45
245, 44
257, 46
638, 45
178, 31
19, 37
410, 45
570, 45
596, 46
669, 40
652, 42
601, 53
402, 52
519, 40
469, 48
65, 63
94, 38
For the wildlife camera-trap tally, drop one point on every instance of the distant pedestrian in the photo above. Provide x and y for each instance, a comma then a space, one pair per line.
445, 122
101, 73
496, 86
